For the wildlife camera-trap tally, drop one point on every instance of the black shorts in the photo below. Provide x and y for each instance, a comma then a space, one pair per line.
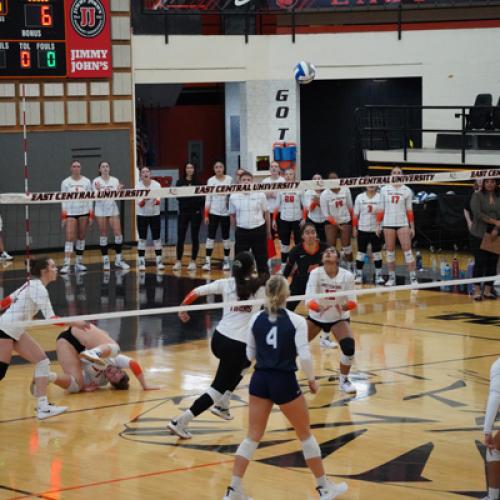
366, 238
280, 387
151, 221
76, 216
214, 221
326, 327
69, 337
4, 335
394, 227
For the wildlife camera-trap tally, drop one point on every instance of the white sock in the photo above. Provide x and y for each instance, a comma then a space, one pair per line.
42, 401
413, 275
224, 400
392, 275
185, 418
342, 378
493, 493
325, 335
67, 261
236, 483
322, 481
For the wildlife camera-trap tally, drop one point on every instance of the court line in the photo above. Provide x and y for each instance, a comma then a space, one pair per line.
422, 330
120, 479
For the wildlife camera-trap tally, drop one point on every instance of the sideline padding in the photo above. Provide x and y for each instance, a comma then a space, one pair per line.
220, 305
176, 192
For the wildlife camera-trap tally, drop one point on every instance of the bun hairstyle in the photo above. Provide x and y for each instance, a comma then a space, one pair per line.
277, 291
38, 265
243, 269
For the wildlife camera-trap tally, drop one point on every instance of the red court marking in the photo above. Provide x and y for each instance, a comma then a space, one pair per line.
110, 481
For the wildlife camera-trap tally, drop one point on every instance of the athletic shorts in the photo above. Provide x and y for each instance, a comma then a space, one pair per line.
69, 337
394, 227
4, 335
280, 387
326, 327
77, 216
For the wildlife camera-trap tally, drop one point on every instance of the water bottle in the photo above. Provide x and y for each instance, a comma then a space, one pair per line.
418, 259
470, 273
455, 268
447, 275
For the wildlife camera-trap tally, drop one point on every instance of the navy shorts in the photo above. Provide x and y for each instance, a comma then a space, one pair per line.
280, 387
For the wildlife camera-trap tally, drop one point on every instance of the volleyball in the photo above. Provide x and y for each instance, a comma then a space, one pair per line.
305, 72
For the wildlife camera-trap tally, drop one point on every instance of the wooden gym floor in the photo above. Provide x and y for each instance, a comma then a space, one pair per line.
413, 431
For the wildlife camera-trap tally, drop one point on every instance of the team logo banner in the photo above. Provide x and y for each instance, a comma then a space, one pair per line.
88, 52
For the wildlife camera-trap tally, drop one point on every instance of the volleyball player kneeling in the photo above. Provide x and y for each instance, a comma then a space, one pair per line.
23, 305
275, 338
331, 314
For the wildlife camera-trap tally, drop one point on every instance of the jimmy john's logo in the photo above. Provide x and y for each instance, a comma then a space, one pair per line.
88, 17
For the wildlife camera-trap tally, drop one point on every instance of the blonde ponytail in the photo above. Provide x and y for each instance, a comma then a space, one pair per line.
277, 291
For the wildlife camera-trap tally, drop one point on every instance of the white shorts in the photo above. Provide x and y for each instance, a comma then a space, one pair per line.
106, 209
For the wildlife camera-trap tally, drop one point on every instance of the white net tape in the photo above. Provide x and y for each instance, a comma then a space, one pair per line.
220, 305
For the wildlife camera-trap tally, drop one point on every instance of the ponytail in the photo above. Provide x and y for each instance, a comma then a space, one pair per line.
277, 291
243, 271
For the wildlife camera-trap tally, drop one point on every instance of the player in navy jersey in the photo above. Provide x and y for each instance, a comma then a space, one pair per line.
301, 261
276, 336
228, 341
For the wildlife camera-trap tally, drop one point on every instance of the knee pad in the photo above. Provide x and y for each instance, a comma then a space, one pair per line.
360, 256
348, 348
377, 256
347, 250
409, 257
310, 448
493, 455
214, 394
3, 369
390, 256
209, 243
114, 350
119, 239
157, 243
285, 248
247, 448
68, 247
141, 245
103, 241
42, 368
80, 245
227, 244
73, 386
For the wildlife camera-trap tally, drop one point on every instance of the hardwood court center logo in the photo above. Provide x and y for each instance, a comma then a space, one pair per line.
88, 17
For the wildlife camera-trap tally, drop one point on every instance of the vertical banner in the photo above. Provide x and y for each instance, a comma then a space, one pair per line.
88, 38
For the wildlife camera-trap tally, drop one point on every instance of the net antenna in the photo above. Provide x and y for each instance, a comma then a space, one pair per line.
26, 182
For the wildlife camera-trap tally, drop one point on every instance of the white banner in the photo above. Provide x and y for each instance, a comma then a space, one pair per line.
185, 191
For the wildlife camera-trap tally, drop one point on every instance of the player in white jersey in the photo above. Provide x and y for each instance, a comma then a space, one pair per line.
312, 209
23, 305
492, 441
395, 216
228, 341
148, 216
332, 314
106, 213
217, 214
336, 205
275, 338
364, 229
91, 359
272, 196
287, 217
75, 217
251, 218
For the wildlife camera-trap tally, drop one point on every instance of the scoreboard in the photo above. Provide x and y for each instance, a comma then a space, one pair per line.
39, 38
32, 38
